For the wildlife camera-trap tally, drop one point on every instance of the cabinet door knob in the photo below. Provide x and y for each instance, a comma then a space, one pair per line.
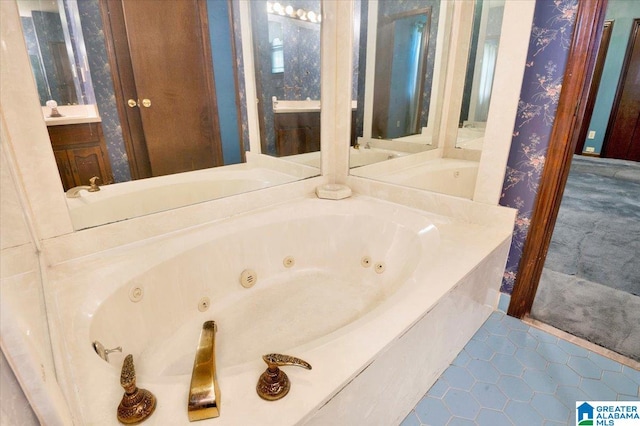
132, 103
146, 103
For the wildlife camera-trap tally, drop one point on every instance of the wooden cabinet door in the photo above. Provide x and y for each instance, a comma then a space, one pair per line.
64, 168
87, 163
297, 133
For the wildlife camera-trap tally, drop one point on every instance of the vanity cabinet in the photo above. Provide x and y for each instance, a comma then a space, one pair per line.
297, 133
80, 153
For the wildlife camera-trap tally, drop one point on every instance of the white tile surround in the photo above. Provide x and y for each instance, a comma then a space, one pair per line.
37, 235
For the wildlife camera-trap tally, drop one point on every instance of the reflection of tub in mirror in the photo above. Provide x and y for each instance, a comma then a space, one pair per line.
138, 198
357, 156
470, 136
454, 35
443, 175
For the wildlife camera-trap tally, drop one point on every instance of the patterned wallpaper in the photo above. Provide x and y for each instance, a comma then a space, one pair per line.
103, 88
48, 29
301, 48
546, 61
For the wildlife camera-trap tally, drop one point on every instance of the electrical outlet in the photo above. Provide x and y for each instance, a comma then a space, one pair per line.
592, 134
589, 149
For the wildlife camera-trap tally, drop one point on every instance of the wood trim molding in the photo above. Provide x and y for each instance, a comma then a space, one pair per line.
603, 48
635, 27
571, 115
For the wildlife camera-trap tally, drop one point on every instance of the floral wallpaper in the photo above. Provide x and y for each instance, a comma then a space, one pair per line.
91, 20
546, 61
301, 47
47, 29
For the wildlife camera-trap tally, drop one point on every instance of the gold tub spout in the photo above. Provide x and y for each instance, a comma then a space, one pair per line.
204, 393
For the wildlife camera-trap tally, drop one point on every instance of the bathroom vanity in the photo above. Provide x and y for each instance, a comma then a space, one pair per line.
80, 153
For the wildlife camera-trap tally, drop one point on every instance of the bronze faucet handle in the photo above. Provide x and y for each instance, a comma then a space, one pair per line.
279, 360
273, 383
128, 375
136, 404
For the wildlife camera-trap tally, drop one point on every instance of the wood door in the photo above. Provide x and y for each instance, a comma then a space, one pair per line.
382, 81
164, 49
623, 132
595, 81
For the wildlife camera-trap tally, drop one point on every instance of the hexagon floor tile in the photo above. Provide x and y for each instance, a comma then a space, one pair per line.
512, 374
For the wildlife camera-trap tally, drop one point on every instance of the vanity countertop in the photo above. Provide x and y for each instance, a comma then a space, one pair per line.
72, 114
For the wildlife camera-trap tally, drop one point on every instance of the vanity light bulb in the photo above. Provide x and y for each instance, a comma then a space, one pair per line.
269, 7
277, 7
312, 16
301, 14
289, 10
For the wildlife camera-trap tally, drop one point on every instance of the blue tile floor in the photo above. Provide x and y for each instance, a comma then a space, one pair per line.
512, 374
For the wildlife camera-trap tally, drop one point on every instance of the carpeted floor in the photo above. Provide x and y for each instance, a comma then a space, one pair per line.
590, 285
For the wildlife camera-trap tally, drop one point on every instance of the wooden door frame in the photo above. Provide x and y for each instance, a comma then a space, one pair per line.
571, 116
635, 28
603, 48
124, 88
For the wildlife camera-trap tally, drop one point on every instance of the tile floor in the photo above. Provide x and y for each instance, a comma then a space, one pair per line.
512, 374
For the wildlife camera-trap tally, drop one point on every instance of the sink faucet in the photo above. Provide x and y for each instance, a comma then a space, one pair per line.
92, 187
204, 393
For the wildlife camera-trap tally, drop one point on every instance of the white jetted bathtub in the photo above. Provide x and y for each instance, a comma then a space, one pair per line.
377, 297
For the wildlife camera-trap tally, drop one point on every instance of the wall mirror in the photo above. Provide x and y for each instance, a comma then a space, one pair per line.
229, 110
481, 64
421, 58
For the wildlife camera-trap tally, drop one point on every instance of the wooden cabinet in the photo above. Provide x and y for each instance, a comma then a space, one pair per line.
297, 133
80, 153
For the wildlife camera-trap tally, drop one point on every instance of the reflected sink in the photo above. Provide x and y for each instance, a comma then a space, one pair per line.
72, 114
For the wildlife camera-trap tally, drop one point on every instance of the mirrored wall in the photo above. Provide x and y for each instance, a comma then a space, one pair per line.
165, 136
425, 77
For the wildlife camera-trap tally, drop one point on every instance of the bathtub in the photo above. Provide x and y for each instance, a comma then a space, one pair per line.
442, 175
141, 197
377, 297
357, 157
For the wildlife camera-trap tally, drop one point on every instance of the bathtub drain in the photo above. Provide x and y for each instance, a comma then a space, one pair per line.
365, 261
379, 267
288, 262
248, 278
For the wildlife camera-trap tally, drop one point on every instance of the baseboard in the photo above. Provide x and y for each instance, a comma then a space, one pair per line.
590, 154
607, 353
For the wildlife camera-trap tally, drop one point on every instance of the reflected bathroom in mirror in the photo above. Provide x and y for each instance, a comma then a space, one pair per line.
483, 53
425, 90
229, 110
